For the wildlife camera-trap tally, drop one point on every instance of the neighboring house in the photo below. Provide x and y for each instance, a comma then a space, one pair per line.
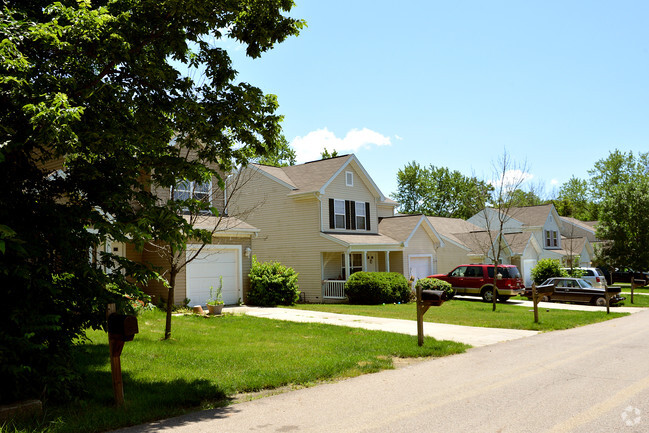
538, 232
469, 243
327, 219
225, 261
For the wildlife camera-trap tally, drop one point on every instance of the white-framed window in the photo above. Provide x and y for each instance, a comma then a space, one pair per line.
355, 263
186, 189
349, 178
551, 238
360, 215
339, 214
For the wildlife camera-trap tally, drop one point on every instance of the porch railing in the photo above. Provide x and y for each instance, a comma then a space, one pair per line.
334, 289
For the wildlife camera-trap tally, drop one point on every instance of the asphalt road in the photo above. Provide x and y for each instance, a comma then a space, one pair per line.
589, 379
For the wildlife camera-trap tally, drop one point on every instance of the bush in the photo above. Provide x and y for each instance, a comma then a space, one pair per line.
435, 284
377, 288
272, 284
547, 268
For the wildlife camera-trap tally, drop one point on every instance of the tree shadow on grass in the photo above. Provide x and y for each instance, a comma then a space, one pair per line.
145, 401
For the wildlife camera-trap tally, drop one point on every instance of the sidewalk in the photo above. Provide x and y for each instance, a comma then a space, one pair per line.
475, 336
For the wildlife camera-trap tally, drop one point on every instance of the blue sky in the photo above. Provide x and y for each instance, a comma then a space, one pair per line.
555, 84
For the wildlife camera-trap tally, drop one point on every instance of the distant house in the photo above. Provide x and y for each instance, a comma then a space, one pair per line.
328, 219
538, 232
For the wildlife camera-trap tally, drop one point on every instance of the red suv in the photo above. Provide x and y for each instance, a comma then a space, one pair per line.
478, 280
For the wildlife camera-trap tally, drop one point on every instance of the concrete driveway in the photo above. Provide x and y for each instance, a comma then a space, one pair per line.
475, 336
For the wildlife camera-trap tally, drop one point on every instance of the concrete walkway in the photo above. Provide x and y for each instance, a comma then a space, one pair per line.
475, 336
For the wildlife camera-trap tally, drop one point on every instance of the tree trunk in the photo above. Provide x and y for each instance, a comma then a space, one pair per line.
495, 289
170, 301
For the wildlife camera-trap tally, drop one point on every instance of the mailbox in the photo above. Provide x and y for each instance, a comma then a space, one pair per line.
612, 289
434, 297
122, 326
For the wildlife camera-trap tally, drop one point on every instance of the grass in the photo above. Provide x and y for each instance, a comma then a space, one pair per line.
475, 313
210, 360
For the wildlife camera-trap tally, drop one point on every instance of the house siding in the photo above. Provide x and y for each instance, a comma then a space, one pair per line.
339, 190
289, 230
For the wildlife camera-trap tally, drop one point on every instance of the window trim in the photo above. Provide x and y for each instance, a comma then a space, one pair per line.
337, 214
349, 178
191, 192
360, 205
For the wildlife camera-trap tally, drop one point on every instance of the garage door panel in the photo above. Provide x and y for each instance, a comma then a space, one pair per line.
205, 272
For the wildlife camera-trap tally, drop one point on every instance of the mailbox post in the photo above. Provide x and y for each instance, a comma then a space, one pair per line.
609, 293
426, 299
538, 293
121, 328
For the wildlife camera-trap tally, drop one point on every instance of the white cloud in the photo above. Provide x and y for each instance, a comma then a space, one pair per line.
310, 147
398, 137
554, 182
512, 179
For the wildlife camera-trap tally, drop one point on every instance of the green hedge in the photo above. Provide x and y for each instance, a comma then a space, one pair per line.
435, 284
377, 288
272, 284
547, 268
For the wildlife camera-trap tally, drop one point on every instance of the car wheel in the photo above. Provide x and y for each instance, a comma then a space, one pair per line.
487, 294
600, 302
503, 298
545, 299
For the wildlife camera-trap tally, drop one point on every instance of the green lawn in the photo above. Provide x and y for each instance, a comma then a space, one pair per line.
209, 360
475, 313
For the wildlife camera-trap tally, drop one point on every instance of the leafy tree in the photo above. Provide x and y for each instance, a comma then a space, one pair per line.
438, 191
326, 155
282, 157
526, 198
98, 91
574, 200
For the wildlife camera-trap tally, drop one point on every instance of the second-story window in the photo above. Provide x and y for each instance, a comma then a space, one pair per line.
360, 215
551, 238
349, 214
349, 178
188, 189
339, 214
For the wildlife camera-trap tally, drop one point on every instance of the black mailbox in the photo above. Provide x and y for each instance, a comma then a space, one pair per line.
434, 297
612, 289
122, 326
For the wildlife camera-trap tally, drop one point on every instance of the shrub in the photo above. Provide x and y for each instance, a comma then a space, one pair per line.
272, 284
377, 288
547, 268
435, 284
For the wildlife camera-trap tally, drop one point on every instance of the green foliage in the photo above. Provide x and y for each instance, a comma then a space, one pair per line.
623, 219
377, 288
282, 157
272, 284
575, 272
575, 200
326, 155
218, 298
435, 284
91, 95
547, 268
439, 191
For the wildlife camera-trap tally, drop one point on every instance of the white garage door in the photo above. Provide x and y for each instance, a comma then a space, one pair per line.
206, 270
420, 266
527, 271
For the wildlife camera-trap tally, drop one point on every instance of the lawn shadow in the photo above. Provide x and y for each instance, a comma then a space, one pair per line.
145, 401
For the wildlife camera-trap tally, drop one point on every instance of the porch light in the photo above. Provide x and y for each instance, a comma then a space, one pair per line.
247, 252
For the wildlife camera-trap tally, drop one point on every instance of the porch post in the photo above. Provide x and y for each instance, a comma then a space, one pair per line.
387, 261
365, 261
347, 264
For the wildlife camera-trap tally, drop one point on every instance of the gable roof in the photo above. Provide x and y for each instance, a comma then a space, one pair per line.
403, 227
532, 215
315, 176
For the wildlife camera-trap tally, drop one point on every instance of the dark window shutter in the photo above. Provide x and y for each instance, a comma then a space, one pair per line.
348, 223
367, 216
332, 219
352, 208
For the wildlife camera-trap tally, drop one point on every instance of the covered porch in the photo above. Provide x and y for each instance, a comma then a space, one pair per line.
354, 253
